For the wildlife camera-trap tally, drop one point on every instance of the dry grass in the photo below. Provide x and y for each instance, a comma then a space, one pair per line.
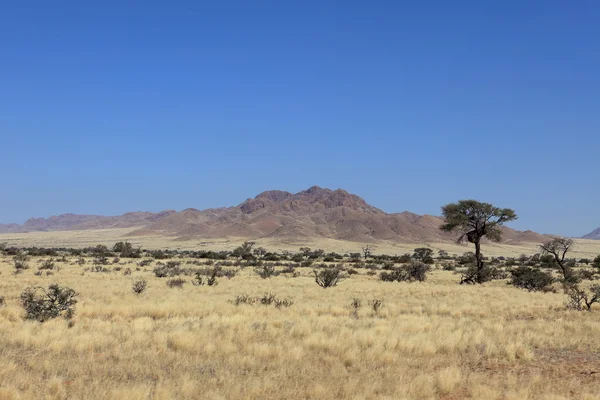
431, 340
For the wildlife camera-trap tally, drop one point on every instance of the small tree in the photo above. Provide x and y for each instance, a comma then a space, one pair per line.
558, 249
244, 251
476, 220
423, 254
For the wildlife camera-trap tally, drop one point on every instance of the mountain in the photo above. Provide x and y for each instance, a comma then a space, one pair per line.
595, 234
312, 213
66, 222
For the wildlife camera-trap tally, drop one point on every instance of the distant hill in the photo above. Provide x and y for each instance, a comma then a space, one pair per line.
312, 213
595, 234
67, 222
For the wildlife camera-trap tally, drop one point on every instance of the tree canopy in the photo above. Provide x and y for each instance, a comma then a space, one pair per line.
475, 220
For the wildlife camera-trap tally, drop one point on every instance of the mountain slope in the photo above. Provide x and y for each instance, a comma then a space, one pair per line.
65, 222
595, 235
312, 213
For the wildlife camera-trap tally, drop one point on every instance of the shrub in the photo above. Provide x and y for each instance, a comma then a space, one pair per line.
289, 269
20, 266
146, 262
47, 264
81, 261
578, 298
596, 262
175, 283
41, 304
2, 301
473, 275
212, 279
266, 271
404, 258
586, 274
198, 280
266, 299
376, 305
390, 276
531, 279
447, 266
329, 277
98, 268
355, 305
414, 271
170, 269
139, 286
100, 261
423, 254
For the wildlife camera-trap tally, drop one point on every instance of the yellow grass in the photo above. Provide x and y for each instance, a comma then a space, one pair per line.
431, 340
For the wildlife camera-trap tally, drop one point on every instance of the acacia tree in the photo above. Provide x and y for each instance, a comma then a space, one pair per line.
558, 248
475, 220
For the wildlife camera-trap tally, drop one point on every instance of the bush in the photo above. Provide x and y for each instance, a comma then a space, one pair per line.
41, 304
473, 275
212, 279
447, 266
139, 286
266, 300
415, 271
586, 274
47, 264
175, 283
20, 266
596, 262
100, 261
423, 254
329, 277
578, 298
266, 271
531, 279
376, 305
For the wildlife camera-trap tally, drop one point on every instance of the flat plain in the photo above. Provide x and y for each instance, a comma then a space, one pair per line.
430, 340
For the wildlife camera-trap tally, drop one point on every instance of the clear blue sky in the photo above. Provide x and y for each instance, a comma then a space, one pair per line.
115, 106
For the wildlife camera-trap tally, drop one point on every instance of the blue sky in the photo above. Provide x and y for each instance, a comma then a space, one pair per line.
115, 106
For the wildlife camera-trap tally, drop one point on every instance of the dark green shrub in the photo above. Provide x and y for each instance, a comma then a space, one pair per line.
473, 275
41, 304
414, 271
423, 254
531, 279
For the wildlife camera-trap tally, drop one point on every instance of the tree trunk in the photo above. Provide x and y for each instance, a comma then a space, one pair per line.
479, 259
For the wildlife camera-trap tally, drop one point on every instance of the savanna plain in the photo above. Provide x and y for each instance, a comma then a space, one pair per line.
286, 337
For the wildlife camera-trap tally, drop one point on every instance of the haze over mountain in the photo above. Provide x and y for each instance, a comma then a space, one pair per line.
315, 212
595, 235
